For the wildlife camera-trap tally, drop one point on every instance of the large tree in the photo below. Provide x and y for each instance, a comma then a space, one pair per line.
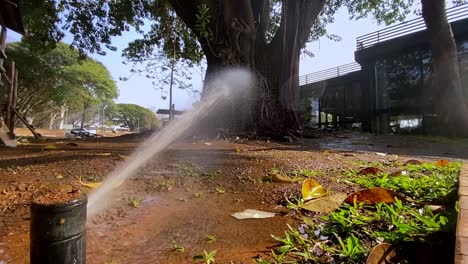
136, 117
266, 36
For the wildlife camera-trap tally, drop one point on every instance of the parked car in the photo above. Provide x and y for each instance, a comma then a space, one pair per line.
80, 132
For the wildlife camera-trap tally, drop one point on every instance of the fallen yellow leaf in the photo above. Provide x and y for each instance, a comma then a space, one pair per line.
276, 177
95, 185
50, 147
311, 189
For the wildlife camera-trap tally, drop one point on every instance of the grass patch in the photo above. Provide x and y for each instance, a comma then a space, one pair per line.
348, 234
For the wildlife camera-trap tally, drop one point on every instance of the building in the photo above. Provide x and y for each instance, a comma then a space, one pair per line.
387, 89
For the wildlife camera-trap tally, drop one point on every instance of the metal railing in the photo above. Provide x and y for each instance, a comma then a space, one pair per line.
329, 73
366, 41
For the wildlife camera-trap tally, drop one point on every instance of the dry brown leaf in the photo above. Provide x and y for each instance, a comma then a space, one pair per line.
413, 162
397, 173
373, 196
381, 254
442, 163
370, 170
311, 189
325, 204
122, 156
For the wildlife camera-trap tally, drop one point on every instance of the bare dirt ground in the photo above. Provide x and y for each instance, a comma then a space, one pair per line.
189, 191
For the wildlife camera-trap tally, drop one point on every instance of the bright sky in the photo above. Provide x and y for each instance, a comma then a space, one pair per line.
139, 90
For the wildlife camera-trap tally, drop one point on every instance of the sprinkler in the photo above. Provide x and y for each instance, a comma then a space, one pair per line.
58, 228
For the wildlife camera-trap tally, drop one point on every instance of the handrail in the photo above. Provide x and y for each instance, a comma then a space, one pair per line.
329, 73
411, 26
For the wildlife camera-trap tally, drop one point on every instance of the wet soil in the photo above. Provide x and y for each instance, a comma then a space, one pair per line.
189, 192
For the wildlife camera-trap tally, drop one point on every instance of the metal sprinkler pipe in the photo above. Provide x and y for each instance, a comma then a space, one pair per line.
58, 229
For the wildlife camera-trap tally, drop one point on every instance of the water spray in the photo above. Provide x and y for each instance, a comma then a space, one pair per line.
229, 84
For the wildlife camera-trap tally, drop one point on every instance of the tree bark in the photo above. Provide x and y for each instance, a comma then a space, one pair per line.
449, 101
239, 29
83, 117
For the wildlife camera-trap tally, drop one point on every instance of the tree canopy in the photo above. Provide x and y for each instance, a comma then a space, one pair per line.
166, 24
59, 77
134, 116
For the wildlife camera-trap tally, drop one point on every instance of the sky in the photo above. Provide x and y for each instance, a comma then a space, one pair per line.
139, 90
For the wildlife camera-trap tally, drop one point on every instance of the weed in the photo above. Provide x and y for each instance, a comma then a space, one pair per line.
178, 248
189, 169
306, 173
206, 257
220, 190
352, 249
348, 233
111, 261
275, 170
210, 239
295, 204
426, 182
211, 176
167, 185
197, 194
135, 202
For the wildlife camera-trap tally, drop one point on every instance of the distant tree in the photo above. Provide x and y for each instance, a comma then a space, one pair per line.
135, 117
60, 79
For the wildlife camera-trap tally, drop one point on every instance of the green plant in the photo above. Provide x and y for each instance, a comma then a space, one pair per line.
206, 257
178, 248
352, 249
210, 239
220, 190
427, 182
167, 185
189, 169
306, 173
295, 204
135, 202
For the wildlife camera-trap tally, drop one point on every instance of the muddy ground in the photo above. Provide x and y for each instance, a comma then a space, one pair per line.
189, 191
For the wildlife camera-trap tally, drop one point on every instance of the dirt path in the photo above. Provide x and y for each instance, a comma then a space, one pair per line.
189, 192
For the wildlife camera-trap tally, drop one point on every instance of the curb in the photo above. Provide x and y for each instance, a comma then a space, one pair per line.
461, 244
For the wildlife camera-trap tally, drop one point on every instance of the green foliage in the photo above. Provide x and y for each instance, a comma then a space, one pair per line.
94, 23
427, 182
352, 249
59, 77
206, 257
203, 20
347, 234
135, 117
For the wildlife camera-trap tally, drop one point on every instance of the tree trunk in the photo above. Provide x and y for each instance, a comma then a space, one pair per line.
239, 39
63, 109
53, 118
83, 117
449, 102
